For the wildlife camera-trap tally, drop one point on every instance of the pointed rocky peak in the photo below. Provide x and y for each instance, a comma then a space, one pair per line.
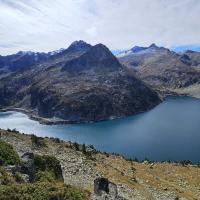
137, 49
101, 46
153, 45
76, 49
98, 57
100, 51
79, 45
190, 51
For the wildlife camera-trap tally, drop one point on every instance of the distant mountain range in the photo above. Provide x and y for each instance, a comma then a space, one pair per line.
185, 48
136, 49
177, 49
79, 84
84, 83
162, 68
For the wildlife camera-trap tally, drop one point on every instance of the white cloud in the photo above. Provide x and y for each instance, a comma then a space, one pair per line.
92, 31
44, 25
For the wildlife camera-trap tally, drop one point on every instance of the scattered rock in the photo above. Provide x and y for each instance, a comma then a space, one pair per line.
25, 178
12, 169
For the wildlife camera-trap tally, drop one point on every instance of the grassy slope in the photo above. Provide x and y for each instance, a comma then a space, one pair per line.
135, 180
42, 191
48, 182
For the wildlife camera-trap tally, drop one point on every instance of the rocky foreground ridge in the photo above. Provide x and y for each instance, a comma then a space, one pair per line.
107, 176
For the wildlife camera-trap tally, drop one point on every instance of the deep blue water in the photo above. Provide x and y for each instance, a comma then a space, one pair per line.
170, 131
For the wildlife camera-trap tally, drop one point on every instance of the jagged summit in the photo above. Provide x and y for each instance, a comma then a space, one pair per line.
190, 51
79, 45
153, 45
136, 49
74, 50
99, 56
78, 42
100, 51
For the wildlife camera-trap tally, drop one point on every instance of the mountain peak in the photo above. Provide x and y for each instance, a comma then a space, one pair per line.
100, 45
190, 51
153, 45
100, 52
101, 49
136, 49
97, 57
79, 44
22, 53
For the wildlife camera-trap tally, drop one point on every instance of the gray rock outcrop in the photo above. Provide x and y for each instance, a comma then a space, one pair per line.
28, 166
105, 190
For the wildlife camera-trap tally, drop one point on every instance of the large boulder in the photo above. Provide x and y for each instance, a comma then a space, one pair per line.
104, 189
101, 185
29, 165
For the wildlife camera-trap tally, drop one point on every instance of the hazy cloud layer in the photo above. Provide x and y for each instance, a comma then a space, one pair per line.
44, 25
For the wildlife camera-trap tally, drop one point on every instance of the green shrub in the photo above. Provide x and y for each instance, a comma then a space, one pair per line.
185, 162
8, 156
14, 130
38, 141
57, 140
5, 178
45, 176
47, 168
42, 191
18, 177
76, 146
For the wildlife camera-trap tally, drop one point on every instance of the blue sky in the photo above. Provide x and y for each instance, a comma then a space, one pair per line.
46, 25
186, 47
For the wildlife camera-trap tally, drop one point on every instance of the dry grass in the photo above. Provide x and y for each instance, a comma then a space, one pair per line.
140, 178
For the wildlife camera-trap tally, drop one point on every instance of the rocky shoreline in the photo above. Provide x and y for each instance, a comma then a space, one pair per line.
41, 120
50, 121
